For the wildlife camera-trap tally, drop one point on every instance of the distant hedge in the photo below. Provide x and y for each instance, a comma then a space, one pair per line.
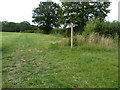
17, 27
63, 31
32, 31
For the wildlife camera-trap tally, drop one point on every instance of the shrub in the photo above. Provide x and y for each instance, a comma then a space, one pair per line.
38, 31
101, 27
92, 26
28, 31
114, 28
63, 31
32, 31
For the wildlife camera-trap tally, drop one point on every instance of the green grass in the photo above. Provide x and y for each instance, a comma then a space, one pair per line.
31, 61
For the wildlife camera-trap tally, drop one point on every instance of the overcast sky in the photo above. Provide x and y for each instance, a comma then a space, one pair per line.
21, 10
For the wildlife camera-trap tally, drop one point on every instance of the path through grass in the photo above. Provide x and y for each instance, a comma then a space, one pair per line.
31, 61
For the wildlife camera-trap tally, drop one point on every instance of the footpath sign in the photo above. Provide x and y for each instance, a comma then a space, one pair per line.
72, 25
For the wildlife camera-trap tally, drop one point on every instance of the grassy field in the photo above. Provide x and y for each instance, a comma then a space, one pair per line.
32, 61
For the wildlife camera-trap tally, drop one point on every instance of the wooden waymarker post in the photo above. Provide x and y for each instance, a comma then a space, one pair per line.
72, 25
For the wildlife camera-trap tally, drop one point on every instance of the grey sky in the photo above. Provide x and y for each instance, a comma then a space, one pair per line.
21, 10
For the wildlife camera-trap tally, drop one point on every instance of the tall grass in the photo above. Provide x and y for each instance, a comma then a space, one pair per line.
94, 39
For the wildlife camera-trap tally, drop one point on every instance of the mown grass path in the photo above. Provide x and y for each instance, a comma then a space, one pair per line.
31, 61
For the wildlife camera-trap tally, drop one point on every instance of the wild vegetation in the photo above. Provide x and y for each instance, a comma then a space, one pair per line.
40, 56
32, 60
107, 29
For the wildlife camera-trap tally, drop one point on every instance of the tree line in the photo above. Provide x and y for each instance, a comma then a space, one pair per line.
51, 17
88, 17
17, 27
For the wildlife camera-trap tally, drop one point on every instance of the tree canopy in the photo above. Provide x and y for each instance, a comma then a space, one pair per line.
80, 12
47, 15
17, 27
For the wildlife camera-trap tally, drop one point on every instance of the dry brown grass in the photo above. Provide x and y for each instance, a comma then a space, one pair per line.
93, 39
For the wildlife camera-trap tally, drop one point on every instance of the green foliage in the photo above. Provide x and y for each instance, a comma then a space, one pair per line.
46, 15
62, 31
32, 31
17, 27
38, 31
114, 28
101, 27
28, 31
80, 12
49, 15
100, 10
9, 26
92, 26
24, 26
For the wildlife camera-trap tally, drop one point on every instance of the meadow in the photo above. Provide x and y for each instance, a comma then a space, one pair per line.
32, 60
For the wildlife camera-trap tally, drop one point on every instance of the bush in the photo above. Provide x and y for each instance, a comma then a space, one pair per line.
92, 26
28, 31
63, 31
38, 31
101, 27
114, 28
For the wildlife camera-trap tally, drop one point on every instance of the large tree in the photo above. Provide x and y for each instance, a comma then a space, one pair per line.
47, 15
80, 12
24, 26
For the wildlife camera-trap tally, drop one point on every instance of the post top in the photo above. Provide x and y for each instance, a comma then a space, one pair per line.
73, 25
